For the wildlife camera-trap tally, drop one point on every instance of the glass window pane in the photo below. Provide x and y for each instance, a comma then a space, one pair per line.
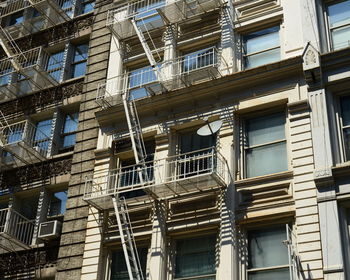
58, 203
262, 58
266, 247
87, 7
68, 140
79, 70
118, 265
266, 160
347, 142
16, 18
345, 108
81, 53
55, 65
341, 37
265, 129
71, 123
192, 142
276, 274
195, 257
339, 13
262, 40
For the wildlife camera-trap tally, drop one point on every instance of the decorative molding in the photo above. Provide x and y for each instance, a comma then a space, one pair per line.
323, 177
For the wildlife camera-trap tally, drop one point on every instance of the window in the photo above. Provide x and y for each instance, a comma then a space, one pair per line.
55, 65
195, 258
147, 17
345, 124
130, 172
261, 47
199, 59
138, 79
16, 18
194, 150
118, 265
265, 145
68, 7
69, 131
87, 6
29, 207
339, 24
79, 60
267, 255
58, 203
5, 76
42, 137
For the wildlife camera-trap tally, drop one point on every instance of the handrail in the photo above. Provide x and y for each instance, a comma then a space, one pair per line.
16, 225
161, 171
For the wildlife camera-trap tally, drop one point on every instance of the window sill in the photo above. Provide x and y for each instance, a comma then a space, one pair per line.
70, 153
262, 179
341, 169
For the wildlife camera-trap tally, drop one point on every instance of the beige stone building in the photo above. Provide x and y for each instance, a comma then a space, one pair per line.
212, 142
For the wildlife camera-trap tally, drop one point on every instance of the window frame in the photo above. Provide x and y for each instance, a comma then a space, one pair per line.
244, 264
63, 134
243, 45
74, 63
339, 127
242, 171
172, 257
328, 25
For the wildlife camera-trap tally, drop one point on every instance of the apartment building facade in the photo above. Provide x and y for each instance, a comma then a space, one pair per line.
45, 46
211, 134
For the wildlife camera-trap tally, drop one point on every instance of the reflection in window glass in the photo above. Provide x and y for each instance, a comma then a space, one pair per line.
339, 24
87, 6
16, 18
58, 203
265, 142
261, 47
79, 60
55, 65
138, 79
42, 135
69, 130
195, 257
267, 250
118, 265
345, 111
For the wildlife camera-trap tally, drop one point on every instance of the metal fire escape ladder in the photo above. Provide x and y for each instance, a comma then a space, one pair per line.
127, 239
11, 48
147, 49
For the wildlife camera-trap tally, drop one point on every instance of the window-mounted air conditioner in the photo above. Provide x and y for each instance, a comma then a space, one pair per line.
50, 230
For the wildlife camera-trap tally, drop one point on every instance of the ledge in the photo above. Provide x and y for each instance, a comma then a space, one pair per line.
265, 178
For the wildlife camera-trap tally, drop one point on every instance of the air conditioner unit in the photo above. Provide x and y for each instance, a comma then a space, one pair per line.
50, 230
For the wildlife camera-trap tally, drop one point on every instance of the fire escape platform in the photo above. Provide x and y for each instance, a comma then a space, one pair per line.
175, 176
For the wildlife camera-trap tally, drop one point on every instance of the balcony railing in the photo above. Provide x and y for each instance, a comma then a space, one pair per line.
51, 12
194, 68
149, 14
16, 230
32, 77
25, 142
169, 177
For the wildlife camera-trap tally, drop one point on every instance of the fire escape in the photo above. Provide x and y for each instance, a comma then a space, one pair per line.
163, 178
23, 72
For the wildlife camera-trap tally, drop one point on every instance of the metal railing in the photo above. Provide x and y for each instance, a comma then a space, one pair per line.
197, 61
174, 11
14, 6
159, 172
199, 66
27, 133
139, 9
16, 226
33, 75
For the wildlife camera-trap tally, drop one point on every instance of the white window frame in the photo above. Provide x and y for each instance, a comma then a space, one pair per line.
243, 263
328, 26
340, 128
242, 171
